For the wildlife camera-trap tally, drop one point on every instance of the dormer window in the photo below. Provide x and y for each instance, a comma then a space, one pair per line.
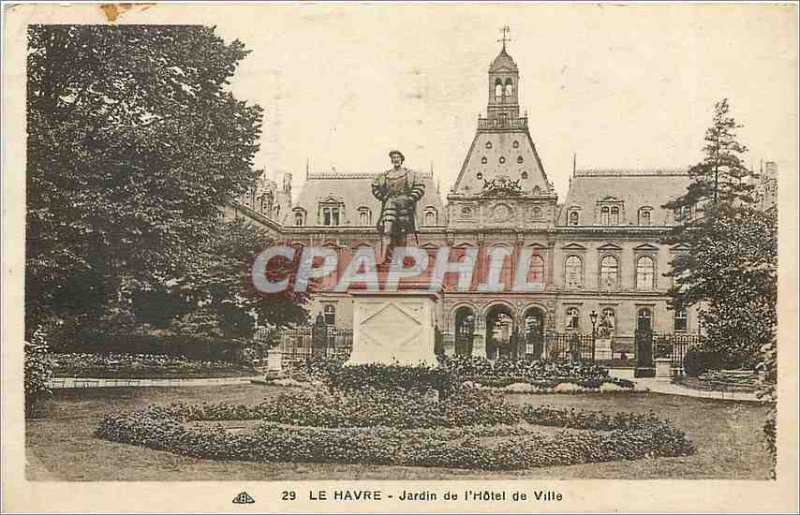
484, 160
574, 218
610, 211
331, 214
488, 144
364, 216
645, 216
431, 216
299, 217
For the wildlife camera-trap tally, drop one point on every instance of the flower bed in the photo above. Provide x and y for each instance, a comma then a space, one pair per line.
468, 430
136, 366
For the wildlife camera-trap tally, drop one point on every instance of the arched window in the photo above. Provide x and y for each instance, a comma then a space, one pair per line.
484, 160
431, 216
573, 218
609, 271
498, 88
680, 320
298, 218
645, 273
364, 216
604, 216
573, 272
615, 215
573, 321
488, 144
536, 270
509, 87
329, 312
644, 216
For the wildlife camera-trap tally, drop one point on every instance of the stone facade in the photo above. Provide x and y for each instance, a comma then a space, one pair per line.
597, 251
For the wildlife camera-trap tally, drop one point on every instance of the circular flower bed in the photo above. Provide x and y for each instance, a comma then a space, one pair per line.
468, 429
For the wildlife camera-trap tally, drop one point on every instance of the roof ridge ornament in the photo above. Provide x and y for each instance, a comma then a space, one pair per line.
505, 29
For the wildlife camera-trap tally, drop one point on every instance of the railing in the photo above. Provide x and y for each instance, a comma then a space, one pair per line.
674, 347
502, 123
567, 347
303, 342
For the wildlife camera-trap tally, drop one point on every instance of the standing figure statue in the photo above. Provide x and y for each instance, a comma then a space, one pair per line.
399, 189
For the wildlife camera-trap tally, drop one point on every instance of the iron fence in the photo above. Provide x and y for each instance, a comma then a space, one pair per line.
674, 346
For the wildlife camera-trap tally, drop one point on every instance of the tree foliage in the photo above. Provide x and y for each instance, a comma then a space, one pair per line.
134, 144
730, 266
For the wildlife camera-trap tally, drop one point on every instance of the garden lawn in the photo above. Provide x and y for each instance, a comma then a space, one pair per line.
61, 445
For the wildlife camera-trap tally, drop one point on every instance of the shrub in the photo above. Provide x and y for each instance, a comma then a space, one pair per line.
697, 361
140, 365
627, 436
38, 372
390, 377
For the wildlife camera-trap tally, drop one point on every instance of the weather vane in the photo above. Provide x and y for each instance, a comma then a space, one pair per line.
505, 30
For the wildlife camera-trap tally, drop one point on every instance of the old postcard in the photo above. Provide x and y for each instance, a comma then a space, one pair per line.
412, 257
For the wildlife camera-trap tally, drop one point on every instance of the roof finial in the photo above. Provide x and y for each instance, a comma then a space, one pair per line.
504, 30
306, 168
574, 162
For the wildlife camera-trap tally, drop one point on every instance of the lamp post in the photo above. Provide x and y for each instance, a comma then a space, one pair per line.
593, 318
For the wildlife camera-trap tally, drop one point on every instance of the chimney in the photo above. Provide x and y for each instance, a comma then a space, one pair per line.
287, 183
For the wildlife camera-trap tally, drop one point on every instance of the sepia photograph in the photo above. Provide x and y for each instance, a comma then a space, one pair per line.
417, 257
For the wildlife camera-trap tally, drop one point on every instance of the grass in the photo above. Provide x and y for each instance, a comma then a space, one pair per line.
60, 444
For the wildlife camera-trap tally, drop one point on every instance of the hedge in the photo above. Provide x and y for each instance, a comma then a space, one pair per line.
632, 437
140, 366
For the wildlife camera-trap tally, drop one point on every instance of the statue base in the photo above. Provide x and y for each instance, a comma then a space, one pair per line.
394, 327
603, 349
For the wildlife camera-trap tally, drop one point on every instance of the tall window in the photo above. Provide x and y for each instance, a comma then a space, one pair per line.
298, 218
498, 88
644, 216
329, 312
331, 216
536, 270
509, 87
609, 271
573, 272
364, 216
680, 320
604, 216
644, 320
573, 218
573, 319
645, 273
614, 215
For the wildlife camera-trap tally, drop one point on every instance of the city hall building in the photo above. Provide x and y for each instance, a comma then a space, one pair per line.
597, 250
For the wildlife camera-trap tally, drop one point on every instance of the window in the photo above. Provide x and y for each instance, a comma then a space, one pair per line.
645, 273
680, 320
644, 216
498, 88
331, 215
364, 216
537, 213
509, 87
614, 215
431, 216
536, 270
604, 216
573, 218
573, 319
484, 160
524, 175
609, 271
298, 218
479, 175
488, 144
515, 144
466, 212
573, 272
502, 159
329, 312
681, 214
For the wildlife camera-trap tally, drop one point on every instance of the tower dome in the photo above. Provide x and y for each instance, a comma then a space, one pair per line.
503, 63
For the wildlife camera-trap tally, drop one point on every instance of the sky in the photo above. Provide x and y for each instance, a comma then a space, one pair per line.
619, 86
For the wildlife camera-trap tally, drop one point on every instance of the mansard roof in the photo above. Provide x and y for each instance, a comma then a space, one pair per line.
354, 190
634, 188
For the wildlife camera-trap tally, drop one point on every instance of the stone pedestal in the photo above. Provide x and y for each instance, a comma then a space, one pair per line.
602, 349
394, 327
663, 367
274, 364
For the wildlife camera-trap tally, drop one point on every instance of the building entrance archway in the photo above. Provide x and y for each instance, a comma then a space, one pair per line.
532, 341
500, 333
464, 330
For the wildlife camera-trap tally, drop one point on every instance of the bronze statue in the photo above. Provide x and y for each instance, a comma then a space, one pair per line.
399, 189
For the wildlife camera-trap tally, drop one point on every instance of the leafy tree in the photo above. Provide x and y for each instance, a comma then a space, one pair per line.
38, 371
216, 297
133, 144
730, 268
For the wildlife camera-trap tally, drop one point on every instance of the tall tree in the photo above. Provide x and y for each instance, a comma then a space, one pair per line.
730, 266
134, 142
